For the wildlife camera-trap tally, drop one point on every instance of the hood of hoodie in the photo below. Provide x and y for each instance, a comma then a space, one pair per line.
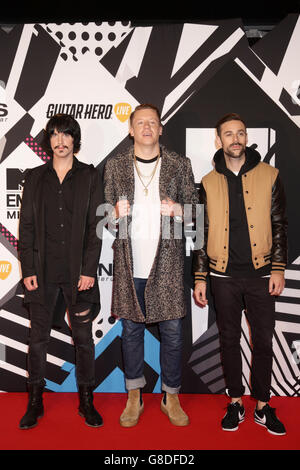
252, 159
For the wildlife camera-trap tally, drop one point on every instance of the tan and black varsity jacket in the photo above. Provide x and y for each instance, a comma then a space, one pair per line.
264, 202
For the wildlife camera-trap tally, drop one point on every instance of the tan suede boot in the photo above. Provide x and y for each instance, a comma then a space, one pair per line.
133, 410
170, 405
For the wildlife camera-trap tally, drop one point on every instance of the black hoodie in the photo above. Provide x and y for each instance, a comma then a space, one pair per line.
240, 259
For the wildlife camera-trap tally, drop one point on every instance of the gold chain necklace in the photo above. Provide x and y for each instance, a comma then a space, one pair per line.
150, 176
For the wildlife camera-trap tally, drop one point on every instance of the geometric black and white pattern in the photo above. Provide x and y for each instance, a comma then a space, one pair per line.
194, 73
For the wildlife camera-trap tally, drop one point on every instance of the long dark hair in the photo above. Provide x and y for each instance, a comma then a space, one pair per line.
61, 123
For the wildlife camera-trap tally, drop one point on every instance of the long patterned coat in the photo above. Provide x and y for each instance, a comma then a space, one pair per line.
164, 292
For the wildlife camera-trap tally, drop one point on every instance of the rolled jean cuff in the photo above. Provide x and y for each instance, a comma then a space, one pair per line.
171, 390
133, 384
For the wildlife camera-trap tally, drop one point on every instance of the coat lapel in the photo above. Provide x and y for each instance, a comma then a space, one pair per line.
128, 177
168, 172
81, 190
39, 212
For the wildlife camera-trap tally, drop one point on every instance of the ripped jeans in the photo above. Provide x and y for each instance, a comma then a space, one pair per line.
41, 317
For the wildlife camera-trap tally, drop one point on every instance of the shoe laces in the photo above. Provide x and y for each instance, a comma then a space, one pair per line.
233, 407
270, 412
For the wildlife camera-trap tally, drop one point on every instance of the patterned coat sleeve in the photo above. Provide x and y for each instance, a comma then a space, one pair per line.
200, 258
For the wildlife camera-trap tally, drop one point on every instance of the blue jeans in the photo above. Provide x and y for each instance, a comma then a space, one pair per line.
170, 349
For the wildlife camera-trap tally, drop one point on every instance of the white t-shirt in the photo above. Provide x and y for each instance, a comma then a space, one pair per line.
145, 229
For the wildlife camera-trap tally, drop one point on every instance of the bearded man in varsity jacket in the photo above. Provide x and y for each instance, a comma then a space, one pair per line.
147, 186
245, 253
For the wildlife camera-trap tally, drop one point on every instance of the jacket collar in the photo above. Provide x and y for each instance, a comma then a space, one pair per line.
76, 164
252, 160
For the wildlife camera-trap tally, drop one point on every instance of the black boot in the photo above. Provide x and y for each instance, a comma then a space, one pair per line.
35, 408
86, 407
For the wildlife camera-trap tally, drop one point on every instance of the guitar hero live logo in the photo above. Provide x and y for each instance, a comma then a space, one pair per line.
97, 111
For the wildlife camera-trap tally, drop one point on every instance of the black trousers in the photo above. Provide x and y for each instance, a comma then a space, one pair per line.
231, 296
41, 322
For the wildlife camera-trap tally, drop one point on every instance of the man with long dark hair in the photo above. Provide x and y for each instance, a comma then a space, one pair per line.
59, 254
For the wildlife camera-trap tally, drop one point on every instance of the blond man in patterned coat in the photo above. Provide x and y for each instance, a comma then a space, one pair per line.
147, 187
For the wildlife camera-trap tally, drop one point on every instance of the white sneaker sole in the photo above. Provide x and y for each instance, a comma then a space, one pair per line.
271, 432
234, 429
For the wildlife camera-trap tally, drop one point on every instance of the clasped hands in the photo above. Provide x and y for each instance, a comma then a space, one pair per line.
167, 208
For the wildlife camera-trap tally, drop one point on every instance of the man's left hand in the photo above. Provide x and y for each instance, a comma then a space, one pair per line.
85, 282
170, 208
276, 284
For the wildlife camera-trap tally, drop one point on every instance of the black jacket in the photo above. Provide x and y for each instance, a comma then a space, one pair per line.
85, 246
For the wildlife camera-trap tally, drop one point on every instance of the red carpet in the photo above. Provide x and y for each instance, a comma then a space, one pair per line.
62, 427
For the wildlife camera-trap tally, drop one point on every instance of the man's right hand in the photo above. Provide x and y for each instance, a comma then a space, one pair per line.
200, 294
122, 209
31, 283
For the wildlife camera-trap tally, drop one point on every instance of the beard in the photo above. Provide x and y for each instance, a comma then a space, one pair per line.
238, 153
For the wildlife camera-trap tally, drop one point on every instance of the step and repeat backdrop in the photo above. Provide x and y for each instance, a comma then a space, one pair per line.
194, 73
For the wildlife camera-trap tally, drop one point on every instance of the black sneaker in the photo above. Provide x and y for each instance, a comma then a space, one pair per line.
235, 415
266, 417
